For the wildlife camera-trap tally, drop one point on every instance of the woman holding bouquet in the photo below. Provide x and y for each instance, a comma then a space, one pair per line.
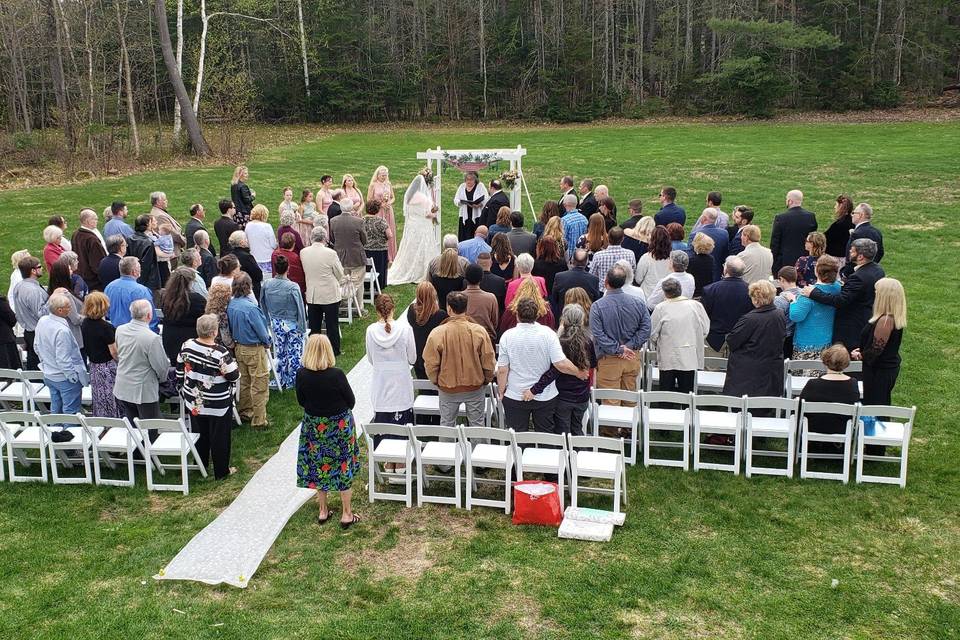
421, 235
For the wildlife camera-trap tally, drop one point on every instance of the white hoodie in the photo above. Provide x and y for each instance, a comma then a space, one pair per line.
391, 355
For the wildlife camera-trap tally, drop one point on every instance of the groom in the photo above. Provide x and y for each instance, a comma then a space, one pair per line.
497, 199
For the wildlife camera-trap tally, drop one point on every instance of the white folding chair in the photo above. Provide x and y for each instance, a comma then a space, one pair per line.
21, 434
117, 437
651, 372
480, 452
848, 411
668, 420
429, 404
707, 422
536, 452
173, 439
712, 377
37, 392
782, 426
371, 282
794, 378
892, 427
13, 394
618, 417
82, 443
602, 458
394, 450
446, 451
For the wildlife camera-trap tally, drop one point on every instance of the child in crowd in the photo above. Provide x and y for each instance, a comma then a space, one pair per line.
163, 244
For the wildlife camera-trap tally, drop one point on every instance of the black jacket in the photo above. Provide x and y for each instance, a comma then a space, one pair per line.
7, 321
242, 201
222, 228
496, 285
208, 266
854, 303
789, 234
865, 230
589, 206
141, 247
248, 264
488, 216
725, 301
109, 269
838, 234
193, 225
755, 365
566, 280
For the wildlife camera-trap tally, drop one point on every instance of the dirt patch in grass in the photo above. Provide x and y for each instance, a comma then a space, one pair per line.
523, 611
671, 624
923, 225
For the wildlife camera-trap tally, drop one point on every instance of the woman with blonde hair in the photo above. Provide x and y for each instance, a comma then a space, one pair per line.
350, 191
579, 296
448, 276
287, 204
637, 237
423, 316
880, 342
755, 365
554, 229
218, 299
381, 190
701, 265
99, 339
241, 195
528, 289
261, 239
306, 217
595, 239
52, 250
15, 277
816, 246
328, 456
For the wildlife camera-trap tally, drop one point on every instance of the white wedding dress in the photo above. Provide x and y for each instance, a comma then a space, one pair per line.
421, 236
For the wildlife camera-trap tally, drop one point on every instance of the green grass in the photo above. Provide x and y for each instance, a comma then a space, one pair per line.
701, 555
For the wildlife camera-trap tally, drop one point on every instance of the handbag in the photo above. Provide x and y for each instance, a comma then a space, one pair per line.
536, 502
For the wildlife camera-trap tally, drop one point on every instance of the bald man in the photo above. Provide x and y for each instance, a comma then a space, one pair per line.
790, 230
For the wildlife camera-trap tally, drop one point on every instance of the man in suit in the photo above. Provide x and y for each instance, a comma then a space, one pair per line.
742, 216
334, 209
140, 246
566, 189
854, 303
323, 273
225, 225
109, 269
588, 201
141, 364
635, 207
208, 262
669, 211
520, 239
492, 283
790, 230
756, 257
725, 301
576, 276
347, 228
707, 225
862, 216
195, 223
488, 216
90, 249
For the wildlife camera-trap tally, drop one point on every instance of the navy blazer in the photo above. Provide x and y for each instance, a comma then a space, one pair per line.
789, 234
671, 212
865, 230
571, 279
735, 245
721, 247
725, 301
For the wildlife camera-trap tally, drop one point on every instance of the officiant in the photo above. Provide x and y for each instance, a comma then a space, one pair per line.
471, 196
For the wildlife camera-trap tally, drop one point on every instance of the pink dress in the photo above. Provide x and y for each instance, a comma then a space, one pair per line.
323, 200
356, 197
383, 193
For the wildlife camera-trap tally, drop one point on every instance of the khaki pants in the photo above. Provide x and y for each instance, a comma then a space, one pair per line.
616, 373
254, 377
355, 275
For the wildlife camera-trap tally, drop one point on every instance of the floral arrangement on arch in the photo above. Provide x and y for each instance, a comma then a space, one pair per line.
509, 179
427, 176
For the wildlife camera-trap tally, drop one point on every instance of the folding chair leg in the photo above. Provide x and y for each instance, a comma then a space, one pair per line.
456, 484
371, 478
506, 491
470, 487
185, 472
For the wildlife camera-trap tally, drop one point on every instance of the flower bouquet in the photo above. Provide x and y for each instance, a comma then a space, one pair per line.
427, 176
509, 179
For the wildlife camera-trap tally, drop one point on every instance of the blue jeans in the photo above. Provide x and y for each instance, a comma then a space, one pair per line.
64, 396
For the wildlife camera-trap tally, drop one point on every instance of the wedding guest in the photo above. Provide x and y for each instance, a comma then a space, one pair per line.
347, 229
755, 364
527, 290
218, 299
574, 223
194, 224
551, 209
573, 393
306, 217
162, 237
790, 230
554, 229
391, 351
813, 321
611, 254
261, 239
787, 282
701, 265
504, 262
838, 233
708, 226
655, 263
191, 262
77, 284
282, 305
469, 249
449, 276
208, 262
325, 194
90, 249
125, 290
832, 386
581, 298
725, 301
109, 269
158, 210
566, 189
323, 273
9, 353
757, 259
449, 242
502, 224
714, 198
629, 288
240, 248
742, 216
117, 224
248, 326
603, 191
228, 267
494, 204
328, 456
608, 209
423, 316
635, 207
378, 234
242, 197
637, 237
669, 210
226, 225
492, 283
64, 372
525, 264
60, 282
679, 260
815, 246
52, 250
588, 201
381, 191
142, 363
862, 216
576, 277
206, 373
288, 224
61, 222
181, 307
334, 209
99, 339
678, 328
595, 239
880, 342
15, 277
29, 300
549, 262
675, 230
482, 307
350, 192
521, 240
140, 246
294, 265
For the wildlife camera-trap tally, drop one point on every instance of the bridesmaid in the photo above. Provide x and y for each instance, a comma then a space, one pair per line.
306, 216
349, 186
381, 190
287, 205
325, 194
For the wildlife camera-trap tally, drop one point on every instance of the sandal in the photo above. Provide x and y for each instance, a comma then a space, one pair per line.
347, 525
323, 521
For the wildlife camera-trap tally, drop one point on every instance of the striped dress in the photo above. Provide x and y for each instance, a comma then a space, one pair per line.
205, 375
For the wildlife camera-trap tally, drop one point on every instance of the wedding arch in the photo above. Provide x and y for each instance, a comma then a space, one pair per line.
476, 160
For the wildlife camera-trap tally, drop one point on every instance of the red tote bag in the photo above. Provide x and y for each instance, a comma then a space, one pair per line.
536, 502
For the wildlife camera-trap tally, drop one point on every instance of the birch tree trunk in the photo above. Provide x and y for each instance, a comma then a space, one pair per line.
177, 124
303, 48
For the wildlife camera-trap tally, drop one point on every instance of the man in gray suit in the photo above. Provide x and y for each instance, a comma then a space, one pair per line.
520, 239
350, 238
141, 364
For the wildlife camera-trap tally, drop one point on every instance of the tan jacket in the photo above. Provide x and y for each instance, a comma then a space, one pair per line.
757, 262
459, 356
323, 273
162, 217
482, 307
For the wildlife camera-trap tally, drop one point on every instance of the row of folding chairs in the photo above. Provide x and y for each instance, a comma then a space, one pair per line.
428, 404
356, 299
572, 459
96, 442
695, 419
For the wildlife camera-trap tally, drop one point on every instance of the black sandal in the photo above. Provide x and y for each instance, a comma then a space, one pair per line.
323, 521
347, 525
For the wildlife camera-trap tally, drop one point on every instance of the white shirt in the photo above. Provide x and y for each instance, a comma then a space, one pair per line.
262, 240
529, 349
687, 286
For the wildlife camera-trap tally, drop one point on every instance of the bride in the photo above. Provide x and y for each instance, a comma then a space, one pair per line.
421, 234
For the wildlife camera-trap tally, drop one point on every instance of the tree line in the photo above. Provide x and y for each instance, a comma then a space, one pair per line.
96, 68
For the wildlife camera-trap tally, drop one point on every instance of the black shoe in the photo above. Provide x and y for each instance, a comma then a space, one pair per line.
61, 436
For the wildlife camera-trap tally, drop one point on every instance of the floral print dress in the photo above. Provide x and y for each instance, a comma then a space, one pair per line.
329, 454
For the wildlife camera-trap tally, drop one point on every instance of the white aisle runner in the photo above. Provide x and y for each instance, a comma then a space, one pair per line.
231, 548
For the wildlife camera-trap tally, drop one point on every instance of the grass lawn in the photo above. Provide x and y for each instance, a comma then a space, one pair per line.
701, 555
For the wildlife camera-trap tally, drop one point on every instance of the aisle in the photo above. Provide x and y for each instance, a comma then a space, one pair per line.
230, 549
